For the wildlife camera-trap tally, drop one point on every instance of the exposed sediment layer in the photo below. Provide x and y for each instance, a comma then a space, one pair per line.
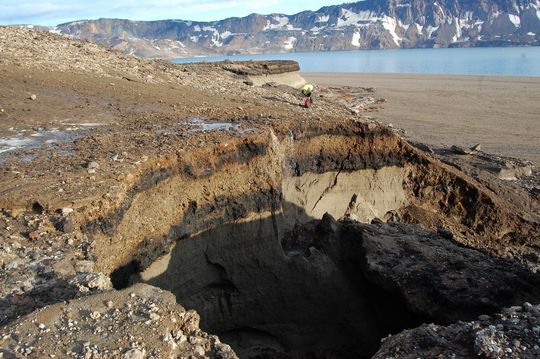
289, 79
361, 173
212, 230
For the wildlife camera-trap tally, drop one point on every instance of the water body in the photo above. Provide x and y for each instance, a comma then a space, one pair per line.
501, 61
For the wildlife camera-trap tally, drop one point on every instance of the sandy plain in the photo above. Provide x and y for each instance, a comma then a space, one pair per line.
501, 113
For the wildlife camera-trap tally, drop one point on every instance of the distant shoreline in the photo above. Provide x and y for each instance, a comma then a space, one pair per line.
481, 61
500, 112
213, 56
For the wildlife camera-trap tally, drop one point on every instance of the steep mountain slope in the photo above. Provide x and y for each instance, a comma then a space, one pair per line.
369, 24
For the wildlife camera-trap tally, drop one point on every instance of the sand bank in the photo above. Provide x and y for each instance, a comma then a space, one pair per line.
501, 113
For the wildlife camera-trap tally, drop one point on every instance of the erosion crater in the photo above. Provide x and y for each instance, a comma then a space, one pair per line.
239, 238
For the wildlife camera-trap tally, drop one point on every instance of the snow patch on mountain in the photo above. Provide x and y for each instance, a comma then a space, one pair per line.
289, 43
514, 19
278, 23
431, 30
356, 39
389, 24
324, 18
349, 17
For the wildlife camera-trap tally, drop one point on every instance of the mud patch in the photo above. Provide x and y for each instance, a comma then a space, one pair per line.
198, 124
39, 138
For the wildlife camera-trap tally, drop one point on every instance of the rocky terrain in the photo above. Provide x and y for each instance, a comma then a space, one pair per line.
141, 322
510, 334
281, 231
371, 24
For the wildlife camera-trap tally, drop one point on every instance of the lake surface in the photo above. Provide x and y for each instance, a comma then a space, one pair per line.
506, 61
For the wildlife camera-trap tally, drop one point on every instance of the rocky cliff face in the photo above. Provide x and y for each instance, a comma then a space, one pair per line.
370, 24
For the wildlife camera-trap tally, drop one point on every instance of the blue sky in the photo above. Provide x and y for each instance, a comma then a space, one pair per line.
53, 12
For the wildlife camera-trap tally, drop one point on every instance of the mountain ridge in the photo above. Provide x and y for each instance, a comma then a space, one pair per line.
370, 24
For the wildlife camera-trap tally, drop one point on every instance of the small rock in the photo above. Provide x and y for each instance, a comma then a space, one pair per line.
460, 150
41, 326
199, 350
133, 354
446, 234
33, 97
424, 147
181, 339
84, 266
14, 213
92, 166
66, 225
328, 224
66, 211
33, 235
86, 282
223, 351
512, 310
476, 147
